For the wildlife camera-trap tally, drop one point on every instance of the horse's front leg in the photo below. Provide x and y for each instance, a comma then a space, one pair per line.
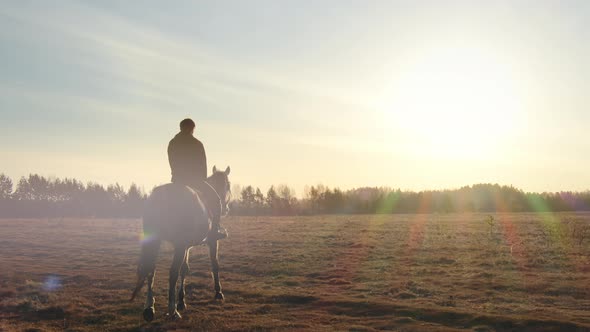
184, 270
179, 255
213, 255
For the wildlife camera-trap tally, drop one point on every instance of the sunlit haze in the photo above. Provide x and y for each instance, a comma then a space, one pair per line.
405, 94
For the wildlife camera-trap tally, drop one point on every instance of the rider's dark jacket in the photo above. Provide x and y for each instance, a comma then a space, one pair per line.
187, 158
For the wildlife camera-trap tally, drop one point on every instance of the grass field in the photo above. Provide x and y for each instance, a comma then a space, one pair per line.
517, 272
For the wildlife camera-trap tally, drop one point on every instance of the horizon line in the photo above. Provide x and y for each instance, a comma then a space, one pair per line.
305, 186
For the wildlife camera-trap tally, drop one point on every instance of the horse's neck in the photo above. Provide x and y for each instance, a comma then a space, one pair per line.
211, 184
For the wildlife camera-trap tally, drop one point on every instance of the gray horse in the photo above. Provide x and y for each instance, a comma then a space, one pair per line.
176, 214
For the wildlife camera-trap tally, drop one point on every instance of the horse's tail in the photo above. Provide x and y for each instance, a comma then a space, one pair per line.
147, 263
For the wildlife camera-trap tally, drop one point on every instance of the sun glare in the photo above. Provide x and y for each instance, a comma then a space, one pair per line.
458, 103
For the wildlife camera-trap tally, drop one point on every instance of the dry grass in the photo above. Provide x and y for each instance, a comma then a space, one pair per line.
359, 273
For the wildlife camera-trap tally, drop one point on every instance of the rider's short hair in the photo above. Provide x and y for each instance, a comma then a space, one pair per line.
187, 124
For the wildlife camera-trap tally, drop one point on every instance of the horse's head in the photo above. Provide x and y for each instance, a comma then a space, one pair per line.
220, 182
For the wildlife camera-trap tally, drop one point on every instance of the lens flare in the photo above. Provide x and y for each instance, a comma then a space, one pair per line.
145, 237
51, 283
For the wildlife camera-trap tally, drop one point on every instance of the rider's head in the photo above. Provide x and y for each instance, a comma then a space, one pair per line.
187, 126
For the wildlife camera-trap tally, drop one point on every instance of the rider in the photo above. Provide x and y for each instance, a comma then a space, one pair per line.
188, 163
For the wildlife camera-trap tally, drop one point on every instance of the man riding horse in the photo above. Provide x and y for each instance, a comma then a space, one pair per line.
188, 164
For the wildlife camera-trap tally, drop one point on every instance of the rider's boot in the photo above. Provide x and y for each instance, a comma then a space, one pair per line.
216, 232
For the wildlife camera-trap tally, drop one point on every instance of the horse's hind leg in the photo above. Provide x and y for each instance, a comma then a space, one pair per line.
150, 310
184, 270
213, 255
147, 269
179, 255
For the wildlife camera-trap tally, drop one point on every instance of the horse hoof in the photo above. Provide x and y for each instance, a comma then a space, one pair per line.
181, 306
148, 314
219, 296
175, 316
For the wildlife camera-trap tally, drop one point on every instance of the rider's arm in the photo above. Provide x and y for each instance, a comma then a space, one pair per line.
171, 156
202, 171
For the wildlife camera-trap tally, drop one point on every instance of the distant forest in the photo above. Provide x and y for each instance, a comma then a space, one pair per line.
37, 196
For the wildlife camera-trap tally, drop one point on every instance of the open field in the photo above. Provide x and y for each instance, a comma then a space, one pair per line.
519, 272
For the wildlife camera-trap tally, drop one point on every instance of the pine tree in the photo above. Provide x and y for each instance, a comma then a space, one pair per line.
5, 186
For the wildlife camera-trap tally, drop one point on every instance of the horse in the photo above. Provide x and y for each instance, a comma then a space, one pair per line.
175, 213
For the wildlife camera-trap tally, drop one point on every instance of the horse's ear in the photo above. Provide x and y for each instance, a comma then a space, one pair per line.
214, 169
227, 170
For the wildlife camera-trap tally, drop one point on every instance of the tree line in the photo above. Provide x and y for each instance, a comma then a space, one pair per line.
37, 196
370, 200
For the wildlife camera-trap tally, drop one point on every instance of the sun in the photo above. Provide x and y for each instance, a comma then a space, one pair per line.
456, 102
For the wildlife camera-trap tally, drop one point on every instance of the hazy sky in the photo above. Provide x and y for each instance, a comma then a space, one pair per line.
408, 94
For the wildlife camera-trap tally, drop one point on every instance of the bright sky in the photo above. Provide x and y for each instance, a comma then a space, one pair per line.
409, 94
